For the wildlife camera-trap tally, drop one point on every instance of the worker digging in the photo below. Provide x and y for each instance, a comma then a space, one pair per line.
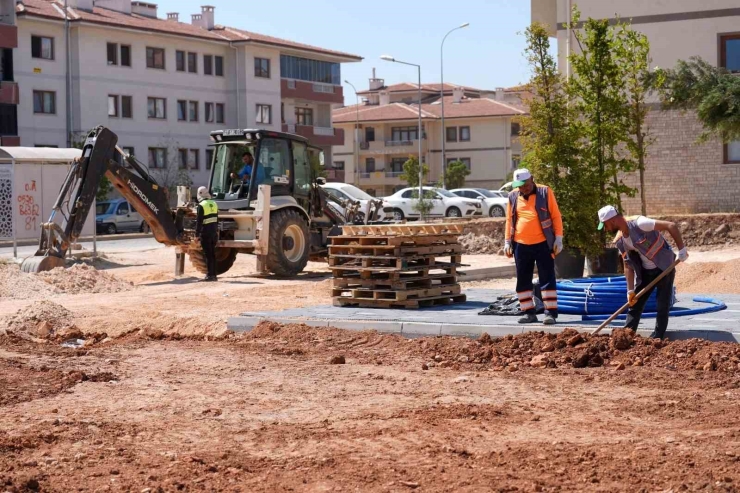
534, 235
647, 256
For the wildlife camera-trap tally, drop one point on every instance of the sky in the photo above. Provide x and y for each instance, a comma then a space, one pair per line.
487, 54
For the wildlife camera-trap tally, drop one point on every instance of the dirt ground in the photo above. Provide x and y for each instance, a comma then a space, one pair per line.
160, 397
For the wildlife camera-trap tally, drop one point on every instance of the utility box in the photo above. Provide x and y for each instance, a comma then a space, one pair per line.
30, 181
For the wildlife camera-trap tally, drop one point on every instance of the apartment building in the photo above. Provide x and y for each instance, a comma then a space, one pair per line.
480, 130
682, 176
163, 84
8, 86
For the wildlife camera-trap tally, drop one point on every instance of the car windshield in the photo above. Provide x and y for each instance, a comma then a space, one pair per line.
486, 193
102, 208
445, 193
356, 193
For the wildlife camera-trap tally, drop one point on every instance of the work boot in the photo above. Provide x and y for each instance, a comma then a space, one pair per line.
549, 320
528, 318
655, 335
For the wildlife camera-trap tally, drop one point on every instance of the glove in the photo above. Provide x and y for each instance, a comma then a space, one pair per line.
508, 249
631, 297
683, 255
558, 246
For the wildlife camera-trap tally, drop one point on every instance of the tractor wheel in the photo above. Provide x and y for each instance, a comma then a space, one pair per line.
289, 247
225, 258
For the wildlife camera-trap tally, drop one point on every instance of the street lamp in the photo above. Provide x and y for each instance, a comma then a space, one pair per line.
442, 95
389, 58
357, 135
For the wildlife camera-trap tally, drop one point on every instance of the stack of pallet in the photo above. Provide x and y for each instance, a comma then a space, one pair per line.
396, 266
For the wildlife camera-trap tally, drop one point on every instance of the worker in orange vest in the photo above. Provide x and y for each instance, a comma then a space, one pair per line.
534, 234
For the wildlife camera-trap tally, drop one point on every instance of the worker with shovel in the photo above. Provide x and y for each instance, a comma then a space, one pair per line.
534, 234
646, 256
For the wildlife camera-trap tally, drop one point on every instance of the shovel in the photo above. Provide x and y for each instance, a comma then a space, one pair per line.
637, 296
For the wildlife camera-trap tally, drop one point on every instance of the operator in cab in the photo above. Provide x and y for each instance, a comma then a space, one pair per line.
245, 174
206, 229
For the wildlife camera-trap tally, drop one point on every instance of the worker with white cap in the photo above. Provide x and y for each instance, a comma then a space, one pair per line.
646, 255
206, 229
534, 235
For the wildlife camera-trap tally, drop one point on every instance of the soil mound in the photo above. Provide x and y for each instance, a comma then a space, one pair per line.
40, 320
474, 244
709, 277
78, 279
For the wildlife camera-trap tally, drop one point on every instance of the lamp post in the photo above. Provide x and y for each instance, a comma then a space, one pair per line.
389, 58
357, 135
442, 96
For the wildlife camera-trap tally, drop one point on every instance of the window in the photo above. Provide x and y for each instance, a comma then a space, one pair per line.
264, 113
180, 61
156, 108
45, 102
208, 64
182, 110
370, 165
125, 56
339, 165
397, 164
301, 169
155, 58
451, 133
209, 112
369, 134
730, 52
515, 128
119, 158
464, 160
194, 159
404, 134
42, 47
112, 105
732, 152
122, 209
193, 111
408, 194
193, 63
262, 67
219, 66
220, 113
304, 116
157, 157
112, 54
209, 158
464, 134
292, 67
126, 107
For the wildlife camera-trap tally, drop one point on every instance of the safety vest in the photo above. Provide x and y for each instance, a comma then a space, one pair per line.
543, 212
210, 211
651, 244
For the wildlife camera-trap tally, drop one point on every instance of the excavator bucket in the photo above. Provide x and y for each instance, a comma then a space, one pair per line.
33, 265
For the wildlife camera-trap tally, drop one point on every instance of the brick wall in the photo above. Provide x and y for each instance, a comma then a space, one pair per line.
682, 176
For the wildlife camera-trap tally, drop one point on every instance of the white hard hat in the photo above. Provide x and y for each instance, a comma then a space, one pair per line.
203, 194
520, 177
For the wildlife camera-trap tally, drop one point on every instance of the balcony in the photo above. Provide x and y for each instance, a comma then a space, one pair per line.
380, 178
8, 36
393, 174
10, 141
8, 93
398, 143
311, 91
335, 175
318, 136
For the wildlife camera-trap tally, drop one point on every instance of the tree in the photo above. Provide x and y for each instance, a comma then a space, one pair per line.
551, 144
456, 173
411, 171
633, 52
713, 92
174, 173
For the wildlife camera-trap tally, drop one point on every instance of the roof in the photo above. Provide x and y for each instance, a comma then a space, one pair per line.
39, 154
408, 86
54, 9
467, 108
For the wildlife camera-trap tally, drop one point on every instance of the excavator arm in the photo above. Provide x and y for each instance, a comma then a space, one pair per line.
77, 197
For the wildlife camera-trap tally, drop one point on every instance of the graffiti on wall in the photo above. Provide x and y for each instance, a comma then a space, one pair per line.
28, 209
6, 201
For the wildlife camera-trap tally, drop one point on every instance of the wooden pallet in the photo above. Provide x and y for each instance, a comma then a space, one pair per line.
403, 282
393, 250
392, 272
402, 240
395, 295
402, 229
365, 262
408, 304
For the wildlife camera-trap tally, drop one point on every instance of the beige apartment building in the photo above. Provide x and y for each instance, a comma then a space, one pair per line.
682, 176
163, 84
481, 131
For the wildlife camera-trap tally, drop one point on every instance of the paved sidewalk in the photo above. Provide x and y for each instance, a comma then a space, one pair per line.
463, 320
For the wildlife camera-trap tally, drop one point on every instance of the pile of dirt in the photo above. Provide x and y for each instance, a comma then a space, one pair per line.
481, 245
40, 321
709, 277
17, 285
83, 278
707, 230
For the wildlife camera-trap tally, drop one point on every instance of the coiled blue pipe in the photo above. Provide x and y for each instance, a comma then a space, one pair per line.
715, 306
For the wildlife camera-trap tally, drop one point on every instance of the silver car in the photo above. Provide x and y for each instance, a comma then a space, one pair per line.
115, 216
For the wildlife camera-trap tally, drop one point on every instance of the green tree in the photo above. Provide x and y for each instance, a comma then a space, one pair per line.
411, 171
551, 144
713, 92
455, 174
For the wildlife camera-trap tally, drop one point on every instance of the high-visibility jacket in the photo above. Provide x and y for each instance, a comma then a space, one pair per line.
651, 244
207, 221
530, 222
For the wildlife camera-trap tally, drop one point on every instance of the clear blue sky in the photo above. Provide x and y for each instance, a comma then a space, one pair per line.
487, 54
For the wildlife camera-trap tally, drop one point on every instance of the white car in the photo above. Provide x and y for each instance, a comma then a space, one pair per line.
342, 192
444, 204
493, 204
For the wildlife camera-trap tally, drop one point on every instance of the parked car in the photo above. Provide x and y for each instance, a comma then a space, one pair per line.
493, 204
341, 192
114, 216
444, 204
500, 193
506, 187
